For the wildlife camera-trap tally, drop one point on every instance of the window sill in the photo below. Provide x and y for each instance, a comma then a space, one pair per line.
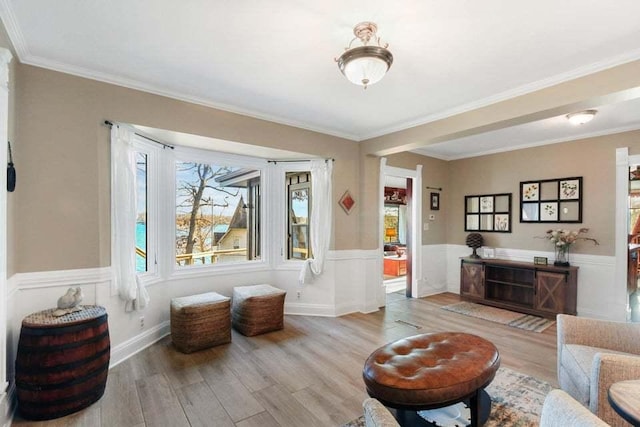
207, 271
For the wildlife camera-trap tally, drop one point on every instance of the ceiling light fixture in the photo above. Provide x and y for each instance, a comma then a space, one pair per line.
581, 117
366, 64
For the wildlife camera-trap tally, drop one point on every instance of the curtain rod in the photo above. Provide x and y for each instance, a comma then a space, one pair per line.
300, 160
107, 122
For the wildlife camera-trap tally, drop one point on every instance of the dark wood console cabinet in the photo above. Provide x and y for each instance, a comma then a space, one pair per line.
542, 290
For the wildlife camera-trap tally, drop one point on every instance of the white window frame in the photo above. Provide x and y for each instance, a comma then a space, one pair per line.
161, 211
184, 154
152, 150
279, 207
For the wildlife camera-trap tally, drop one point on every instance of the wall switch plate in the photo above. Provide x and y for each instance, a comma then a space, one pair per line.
425, 226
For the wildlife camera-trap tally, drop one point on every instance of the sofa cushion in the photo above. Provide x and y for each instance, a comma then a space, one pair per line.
576, 364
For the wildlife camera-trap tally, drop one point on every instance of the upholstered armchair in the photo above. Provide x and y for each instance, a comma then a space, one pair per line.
377, 415
592, 355
561, 410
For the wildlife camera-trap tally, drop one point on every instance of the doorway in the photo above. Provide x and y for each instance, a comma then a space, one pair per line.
399, 231
394, 262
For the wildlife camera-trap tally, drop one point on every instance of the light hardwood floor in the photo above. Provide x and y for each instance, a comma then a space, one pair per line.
308, 374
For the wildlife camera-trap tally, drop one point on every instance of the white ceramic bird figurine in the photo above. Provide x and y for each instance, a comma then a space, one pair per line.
67, 300
77, 297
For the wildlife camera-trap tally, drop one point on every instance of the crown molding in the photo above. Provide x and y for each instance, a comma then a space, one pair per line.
19, 43
13, 29
37, 61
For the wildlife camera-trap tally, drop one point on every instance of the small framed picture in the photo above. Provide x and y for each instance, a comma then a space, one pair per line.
540, 260
435, 201
347, 202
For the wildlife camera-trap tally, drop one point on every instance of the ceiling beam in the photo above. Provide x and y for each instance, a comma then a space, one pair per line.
616, 84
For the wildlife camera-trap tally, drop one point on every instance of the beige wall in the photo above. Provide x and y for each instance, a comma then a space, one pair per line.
593, 159
435, 173
62, 158
61, 150
63, 197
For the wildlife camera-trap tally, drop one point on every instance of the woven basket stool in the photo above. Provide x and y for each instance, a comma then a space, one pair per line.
200, 321
257, 309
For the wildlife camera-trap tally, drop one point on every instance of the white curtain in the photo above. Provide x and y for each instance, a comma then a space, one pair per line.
130, 287
320, 219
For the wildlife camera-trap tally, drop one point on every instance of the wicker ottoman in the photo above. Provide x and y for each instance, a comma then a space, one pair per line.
257, 309
200, 321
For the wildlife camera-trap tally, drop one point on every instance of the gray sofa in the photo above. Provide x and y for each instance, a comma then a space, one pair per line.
561, 410
592, 355
377, 415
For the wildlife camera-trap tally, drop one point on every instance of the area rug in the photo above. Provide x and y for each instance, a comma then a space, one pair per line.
499, 315
516, 402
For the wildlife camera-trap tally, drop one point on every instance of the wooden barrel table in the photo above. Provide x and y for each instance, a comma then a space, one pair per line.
62, 362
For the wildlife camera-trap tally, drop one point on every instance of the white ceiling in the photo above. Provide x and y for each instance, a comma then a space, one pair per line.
275, 60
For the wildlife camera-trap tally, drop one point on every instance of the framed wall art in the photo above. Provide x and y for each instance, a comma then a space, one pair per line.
435, 201
551, 200
347, 202
488, 212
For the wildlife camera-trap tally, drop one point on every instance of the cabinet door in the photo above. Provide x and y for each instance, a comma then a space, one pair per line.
550, 291
472, 280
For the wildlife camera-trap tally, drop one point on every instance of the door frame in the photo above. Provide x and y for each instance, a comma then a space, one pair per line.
623, 161
414, 236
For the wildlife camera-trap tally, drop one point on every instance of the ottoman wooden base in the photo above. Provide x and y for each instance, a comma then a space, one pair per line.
200, 321
257, 309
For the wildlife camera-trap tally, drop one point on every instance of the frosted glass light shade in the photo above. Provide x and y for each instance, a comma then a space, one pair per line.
581, 117
365, 65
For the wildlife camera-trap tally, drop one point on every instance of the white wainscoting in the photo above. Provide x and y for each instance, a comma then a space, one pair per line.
598, 295
434, 280
352, 282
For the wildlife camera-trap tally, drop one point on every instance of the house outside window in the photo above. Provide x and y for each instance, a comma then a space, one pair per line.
215, 213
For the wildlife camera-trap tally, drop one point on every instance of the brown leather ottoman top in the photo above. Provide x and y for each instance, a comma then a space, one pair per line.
430, 370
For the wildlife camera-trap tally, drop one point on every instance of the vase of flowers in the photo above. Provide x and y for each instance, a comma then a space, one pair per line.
562, 256
562, 241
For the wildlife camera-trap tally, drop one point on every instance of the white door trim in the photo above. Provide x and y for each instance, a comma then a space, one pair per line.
415, 217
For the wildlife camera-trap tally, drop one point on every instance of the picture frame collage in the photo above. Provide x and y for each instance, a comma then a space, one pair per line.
488, 212
551, 200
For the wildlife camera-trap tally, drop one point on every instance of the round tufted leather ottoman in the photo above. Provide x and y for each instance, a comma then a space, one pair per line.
431, 371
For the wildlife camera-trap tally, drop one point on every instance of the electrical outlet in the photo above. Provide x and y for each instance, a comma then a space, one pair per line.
299, 293
141, 322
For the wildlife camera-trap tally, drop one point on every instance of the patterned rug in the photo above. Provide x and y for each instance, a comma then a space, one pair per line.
498, 315
516, 402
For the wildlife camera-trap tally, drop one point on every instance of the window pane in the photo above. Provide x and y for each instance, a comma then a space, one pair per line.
217, 213
299, 205
141, 211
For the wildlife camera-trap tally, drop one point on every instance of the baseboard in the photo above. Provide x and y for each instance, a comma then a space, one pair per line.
123, 351
8, 405
302, 309
433, 291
